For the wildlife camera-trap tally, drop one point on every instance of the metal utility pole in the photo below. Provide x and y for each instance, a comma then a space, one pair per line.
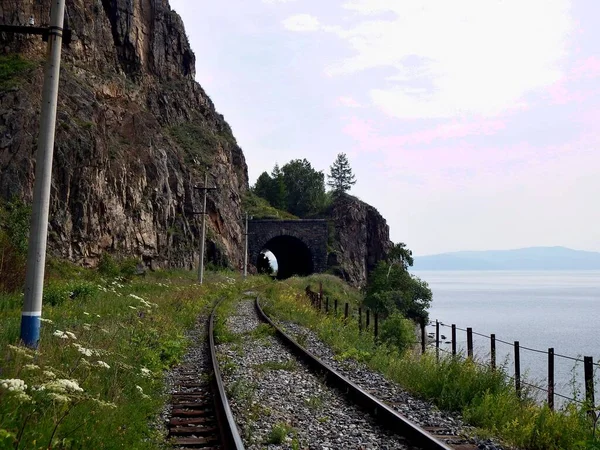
246, 249
205, 188
38, 235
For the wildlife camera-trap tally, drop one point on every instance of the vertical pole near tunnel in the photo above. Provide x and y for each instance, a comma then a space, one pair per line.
202, 237
246, 248
38, 234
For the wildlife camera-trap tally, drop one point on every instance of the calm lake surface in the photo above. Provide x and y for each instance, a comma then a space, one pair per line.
540, 309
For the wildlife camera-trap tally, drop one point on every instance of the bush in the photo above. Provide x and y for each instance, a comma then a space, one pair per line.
398, 332
111, 267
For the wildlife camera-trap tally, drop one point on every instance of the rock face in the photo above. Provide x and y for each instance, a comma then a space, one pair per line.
134, 136
359, 238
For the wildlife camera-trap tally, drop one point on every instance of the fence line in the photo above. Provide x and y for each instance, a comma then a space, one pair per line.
322, 304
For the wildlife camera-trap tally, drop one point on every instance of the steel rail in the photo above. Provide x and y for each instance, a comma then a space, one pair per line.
383, 414
229, 433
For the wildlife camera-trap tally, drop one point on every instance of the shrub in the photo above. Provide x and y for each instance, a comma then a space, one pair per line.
398, 332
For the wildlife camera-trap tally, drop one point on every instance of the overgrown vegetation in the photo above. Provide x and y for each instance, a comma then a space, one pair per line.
485, 397
259, 208
199, 142
13, 69
14, 234
97, 377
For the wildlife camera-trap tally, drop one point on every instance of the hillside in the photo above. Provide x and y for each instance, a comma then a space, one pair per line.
134, 135
531, 258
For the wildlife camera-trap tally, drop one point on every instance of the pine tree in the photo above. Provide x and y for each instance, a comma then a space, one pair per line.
341, 177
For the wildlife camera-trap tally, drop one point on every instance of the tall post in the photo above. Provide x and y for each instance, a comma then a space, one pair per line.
551, 378
246, 249
470, 342
517, 369
493, 350
38, 234
453, 340
423, 338
588, 372
437, 340
202, 237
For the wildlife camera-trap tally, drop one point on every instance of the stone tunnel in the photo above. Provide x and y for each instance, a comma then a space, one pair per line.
300, 246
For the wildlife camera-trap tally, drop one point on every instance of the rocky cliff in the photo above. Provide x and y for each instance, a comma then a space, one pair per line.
135, 134
359, 238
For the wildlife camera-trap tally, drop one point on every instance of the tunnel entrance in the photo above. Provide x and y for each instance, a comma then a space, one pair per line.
292, 255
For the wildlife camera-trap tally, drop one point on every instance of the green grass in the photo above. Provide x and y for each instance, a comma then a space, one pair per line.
112, 337
484, 397
259, 208
13, 70
199, 142
287, 365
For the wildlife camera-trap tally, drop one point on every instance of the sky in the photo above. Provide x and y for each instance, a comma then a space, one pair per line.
469, 124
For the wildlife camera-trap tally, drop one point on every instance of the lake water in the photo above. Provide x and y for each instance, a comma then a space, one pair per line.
540, 309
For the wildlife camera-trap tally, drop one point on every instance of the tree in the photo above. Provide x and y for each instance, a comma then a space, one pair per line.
401, 255
278, 195
263, 186
305, 188
341, 178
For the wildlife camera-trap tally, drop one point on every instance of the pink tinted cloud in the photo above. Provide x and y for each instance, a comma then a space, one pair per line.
365, 133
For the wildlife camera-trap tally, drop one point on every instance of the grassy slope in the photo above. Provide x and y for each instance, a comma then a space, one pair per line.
136, 338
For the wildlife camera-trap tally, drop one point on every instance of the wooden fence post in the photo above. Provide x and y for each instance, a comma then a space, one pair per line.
437, 340
359, 318
588, 372
453, 340
423, 336
551, 378
517, 369
376, 328
493, 350
470, 342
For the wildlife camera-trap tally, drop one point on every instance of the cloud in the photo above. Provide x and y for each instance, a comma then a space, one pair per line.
348, 102
301, 22
455, 58
274, 2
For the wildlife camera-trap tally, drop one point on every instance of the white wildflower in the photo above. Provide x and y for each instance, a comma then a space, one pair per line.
23, 397
83, 350
136, 297
71, 335
49, 374
20, 350
38, 388
85, 313
141, 391
104, 330
132, 307
46, 320
102, 364
64, 386
104, 404
87, 326
60, 398
30, 367
145, 372
60, 334
98, 316
13, 385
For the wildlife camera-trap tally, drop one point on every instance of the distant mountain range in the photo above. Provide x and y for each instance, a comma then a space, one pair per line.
531, 258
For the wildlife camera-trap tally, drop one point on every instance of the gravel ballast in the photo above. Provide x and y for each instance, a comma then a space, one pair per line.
279, 403
420, 412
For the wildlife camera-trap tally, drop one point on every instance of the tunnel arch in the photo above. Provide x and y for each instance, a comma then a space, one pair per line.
305, 240
293, 256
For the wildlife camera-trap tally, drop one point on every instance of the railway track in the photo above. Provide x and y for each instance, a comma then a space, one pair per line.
434, 438
200, 415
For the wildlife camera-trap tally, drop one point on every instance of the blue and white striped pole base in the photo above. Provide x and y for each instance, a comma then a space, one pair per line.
30, 328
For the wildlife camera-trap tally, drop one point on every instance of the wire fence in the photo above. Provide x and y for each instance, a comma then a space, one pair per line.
436, 339
512, 354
